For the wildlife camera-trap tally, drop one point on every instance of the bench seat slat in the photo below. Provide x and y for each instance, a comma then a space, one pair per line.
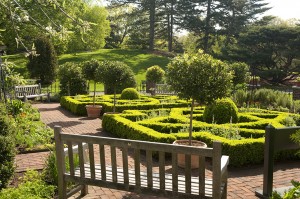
143, 180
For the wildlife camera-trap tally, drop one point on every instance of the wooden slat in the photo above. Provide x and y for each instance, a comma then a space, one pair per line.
81, 159
92, 160
125, 166
102, 162
188, 173
135, 144
113, 163
174, 172
217, 169
149, 168
162, 170
71, 158
137, 169
201, 176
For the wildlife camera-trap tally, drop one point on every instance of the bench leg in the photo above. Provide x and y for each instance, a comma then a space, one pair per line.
48, 97
24, 99
84, 190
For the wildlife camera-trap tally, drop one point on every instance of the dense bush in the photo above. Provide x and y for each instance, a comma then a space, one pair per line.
130, 94
43, 64
31, 187
264, 98
71, 79
221, 111
7, 155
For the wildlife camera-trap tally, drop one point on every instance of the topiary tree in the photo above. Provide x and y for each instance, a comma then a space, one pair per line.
154, 75
116, 75
71, 79
221, 111
89, 69
199, 77
43, 65
130, 94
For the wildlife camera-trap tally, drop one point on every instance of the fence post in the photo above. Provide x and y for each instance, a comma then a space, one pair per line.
60, 163
268, 161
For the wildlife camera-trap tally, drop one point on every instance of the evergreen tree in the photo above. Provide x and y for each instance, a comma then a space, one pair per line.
43, 64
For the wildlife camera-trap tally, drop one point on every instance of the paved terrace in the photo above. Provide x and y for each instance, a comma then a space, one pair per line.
242, 182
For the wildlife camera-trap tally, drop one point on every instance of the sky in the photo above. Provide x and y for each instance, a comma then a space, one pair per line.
285, 9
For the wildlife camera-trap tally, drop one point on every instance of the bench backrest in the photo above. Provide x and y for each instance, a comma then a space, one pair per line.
27, 90
160, 149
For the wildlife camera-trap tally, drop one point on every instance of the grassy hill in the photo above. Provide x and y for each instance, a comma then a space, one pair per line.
138, 60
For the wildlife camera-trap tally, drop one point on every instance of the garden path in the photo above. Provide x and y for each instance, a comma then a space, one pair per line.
242, 182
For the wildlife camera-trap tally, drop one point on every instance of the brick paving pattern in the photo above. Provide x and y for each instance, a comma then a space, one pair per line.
242, 182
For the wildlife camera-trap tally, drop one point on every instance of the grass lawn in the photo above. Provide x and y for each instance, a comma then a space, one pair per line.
138, 60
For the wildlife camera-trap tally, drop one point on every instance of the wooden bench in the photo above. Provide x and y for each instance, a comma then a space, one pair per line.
30, 91
174, 182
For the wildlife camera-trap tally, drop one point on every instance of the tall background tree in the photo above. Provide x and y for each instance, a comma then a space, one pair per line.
23, 21
43, 64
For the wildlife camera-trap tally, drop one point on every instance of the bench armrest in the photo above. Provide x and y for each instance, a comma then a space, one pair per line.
224, 164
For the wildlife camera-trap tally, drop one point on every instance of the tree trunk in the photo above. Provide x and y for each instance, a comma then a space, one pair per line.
207, 26
170, 27
191, 122
114, 110
94, 97
152, 24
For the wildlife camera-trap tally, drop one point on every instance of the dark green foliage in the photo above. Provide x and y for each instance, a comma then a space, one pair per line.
31, 187
116, 76
130, 94
154, 74
71, 79
43, 65
241, 73
7, 155
221, 111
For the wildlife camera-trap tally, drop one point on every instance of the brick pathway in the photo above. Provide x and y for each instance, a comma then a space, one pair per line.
242, 182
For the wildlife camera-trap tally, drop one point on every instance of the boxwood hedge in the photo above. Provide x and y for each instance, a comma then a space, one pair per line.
76, 104
151, 125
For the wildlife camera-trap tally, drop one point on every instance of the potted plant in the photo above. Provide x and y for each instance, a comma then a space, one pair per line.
116, 76
154, 75
89, 71
201, 78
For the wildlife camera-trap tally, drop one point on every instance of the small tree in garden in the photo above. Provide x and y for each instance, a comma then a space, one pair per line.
154, 75
71, 79
199, 77
89, 72
43, 65
115, 75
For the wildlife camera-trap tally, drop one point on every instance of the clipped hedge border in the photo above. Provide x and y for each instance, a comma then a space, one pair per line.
242, 152
77, 106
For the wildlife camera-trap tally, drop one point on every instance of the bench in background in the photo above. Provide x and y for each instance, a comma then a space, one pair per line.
30, 91
169, 182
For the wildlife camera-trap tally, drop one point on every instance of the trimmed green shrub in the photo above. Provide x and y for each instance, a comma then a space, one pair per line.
243, 142
7, 155
130, 94
221, 111
71, 79
154, 74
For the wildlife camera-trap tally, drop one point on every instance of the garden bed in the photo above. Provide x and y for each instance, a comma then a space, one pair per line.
76, 104
242, 141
